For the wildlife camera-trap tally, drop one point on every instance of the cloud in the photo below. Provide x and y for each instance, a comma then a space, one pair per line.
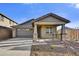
76, 5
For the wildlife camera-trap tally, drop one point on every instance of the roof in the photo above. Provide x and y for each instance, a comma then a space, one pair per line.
71, 28
53, 15
44, 16
68, 28
23, 23
5, 27
8, 18
27, 21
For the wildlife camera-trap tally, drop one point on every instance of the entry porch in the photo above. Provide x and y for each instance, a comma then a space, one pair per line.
47, 30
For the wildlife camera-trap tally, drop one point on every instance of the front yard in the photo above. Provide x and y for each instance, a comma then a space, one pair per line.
54, 49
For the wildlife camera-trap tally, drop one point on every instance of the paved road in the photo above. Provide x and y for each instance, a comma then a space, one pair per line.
16, 47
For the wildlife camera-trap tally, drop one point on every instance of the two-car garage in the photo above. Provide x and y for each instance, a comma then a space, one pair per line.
24, 30
27, 33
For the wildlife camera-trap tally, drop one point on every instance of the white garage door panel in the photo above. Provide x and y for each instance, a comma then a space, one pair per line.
24, 33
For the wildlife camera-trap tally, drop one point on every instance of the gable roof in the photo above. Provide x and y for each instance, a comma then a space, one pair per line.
53, 15
42, 17
8, 18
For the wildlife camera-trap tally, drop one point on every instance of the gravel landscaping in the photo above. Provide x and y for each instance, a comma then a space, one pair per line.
53, 50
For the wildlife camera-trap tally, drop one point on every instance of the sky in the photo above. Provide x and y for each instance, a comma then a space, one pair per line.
21, 12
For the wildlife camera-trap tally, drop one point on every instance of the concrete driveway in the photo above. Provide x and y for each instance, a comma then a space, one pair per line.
16, 47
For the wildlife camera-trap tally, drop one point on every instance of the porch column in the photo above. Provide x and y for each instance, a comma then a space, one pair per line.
35, 35
62, 32
13, 32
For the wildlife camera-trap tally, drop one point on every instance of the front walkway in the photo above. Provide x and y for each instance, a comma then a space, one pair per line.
16, 47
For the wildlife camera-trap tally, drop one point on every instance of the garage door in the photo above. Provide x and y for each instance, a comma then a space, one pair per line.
24, 33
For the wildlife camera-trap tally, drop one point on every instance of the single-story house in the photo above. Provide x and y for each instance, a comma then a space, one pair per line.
44, 27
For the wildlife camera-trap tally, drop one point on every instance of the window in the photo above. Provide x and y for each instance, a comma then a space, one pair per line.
49, 30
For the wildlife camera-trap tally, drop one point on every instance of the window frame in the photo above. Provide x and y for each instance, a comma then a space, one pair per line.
49, 30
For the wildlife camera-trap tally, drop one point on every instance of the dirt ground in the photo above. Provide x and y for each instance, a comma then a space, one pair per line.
46, 50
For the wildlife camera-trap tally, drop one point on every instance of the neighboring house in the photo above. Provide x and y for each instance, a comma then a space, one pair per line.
44, 27
71, 34
5, 21
5, 27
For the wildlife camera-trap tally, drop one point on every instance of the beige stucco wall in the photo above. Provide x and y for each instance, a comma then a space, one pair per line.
6, 22
46, 35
